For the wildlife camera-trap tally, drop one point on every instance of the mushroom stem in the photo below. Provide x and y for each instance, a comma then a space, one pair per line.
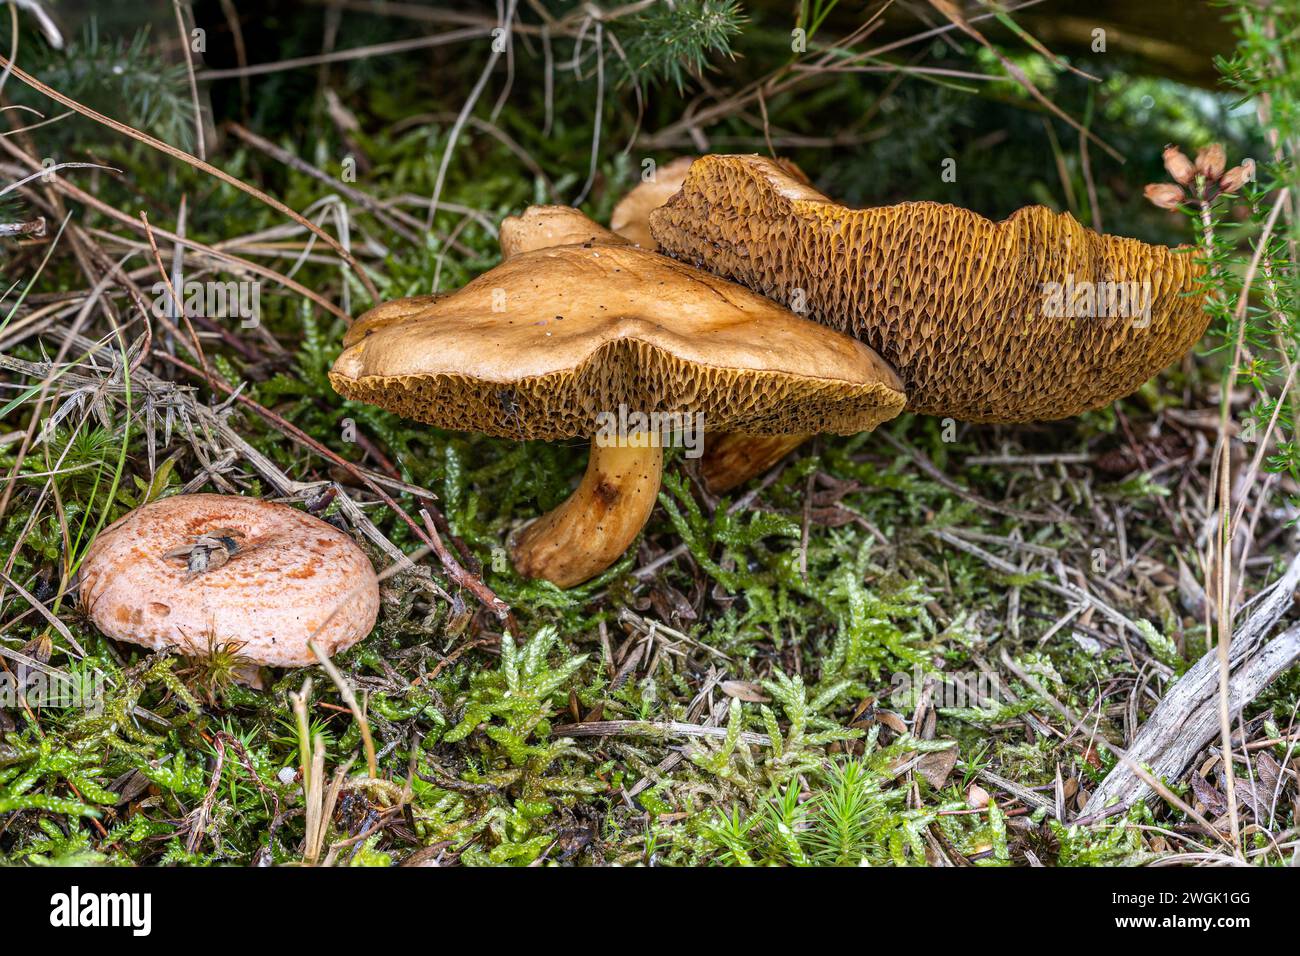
578, 539
731, 459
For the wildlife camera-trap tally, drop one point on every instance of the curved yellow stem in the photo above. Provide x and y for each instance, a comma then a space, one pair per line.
594, 526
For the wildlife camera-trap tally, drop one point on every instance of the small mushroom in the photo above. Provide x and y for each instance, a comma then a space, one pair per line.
199, 572
593, 340
958, 304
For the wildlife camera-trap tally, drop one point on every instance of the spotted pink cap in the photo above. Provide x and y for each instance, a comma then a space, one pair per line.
197, 572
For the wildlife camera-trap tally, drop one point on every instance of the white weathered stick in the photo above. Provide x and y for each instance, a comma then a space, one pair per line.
1187, 718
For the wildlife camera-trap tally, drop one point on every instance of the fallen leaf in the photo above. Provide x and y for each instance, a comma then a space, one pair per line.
935, 767
835, 517
1208, 795
892, 720
744, 690
1269, 770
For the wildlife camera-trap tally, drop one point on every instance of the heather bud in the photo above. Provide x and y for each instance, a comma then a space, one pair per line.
1164, 195
1238, 176
1179, 166
1210, 162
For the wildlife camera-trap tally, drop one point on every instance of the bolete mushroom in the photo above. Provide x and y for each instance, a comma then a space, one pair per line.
1030, 319
201, 572
631, 217
609, 342
541, 227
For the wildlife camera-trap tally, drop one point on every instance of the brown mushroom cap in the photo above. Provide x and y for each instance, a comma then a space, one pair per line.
539, 346
388, 313
954, 301
274, 593
541, 227
631, 217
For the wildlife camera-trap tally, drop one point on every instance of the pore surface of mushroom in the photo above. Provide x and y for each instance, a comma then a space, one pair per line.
563, 342
201, 572
1030, 319
631, 216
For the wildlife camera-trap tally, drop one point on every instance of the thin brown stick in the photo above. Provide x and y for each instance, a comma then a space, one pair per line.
342, 56
194, 86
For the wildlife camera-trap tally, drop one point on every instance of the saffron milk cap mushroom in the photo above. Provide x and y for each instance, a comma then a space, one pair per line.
1029, 319
200, 572
564, 342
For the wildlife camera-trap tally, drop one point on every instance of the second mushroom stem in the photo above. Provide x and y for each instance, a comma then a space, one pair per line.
595, 525
731, 459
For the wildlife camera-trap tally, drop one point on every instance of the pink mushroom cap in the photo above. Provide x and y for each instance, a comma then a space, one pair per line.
287, 578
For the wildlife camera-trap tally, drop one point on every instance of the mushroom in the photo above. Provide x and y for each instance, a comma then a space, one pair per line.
631, 217
541, 227
199, 572
388, 313
958, 304
731, 459
609, 342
